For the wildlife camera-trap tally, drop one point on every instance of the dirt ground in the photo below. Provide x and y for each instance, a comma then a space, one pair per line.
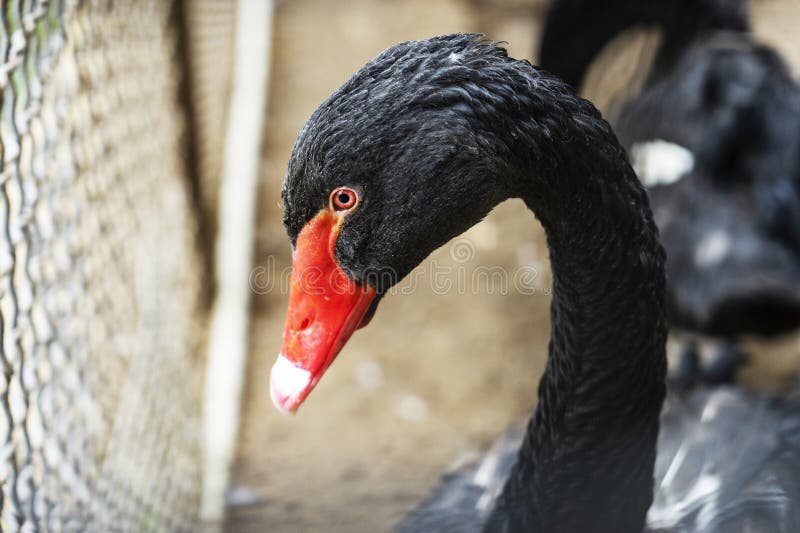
440, 371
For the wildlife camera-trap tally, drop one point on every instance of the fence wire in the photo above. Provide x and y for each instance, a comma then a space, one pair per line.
99, 349
211, 26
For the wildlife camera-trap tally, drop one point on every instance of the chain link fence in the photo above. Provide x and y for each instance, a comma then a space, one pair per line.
210, 27
102, 353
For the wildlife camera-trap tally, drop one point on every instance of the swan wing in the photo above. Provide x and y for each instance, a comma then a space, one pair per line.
727, 462
464, 497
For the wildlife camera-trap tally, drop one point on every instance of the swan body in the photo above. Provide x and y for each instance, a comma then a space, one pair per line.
418, 146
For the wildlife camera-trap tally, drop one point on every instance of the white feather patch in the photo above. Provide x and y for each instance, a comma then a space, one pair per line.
712, 249
660, 162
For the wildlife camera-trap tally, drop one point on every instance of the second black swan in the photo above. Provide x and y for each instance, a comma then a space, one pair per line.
715, 136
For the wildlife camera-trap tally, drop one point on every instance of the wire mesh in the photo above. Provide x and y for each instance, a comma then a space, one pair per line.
211, 26
100, 382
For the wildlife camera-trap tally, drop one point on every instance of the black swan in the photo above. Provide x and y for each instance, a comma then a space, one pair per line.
715, 136
420, 145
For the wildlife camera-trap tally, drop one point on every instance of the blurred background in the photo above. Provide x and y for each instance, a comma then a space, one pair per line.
437, 375
119, 147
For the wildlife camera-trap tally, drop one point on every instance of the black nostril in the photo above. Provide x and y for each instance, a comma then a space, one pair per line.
300, 325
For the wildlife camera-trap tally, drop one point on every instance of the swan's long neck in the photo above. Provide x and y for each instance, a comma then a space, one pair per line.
588, 456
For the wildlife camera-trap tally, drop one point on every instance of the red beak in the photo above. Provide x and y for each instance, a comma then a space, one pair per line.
325, 308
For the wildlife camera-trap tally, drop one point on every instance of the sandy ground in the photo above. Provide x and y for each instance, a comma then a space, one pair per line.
438, 373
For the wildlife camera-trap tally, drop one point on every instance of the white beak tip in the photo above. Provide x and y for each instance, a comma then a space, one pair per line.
286, 383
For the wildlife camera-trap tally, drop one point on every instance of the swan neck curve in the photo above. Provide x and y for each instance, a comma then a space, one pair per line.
587, 460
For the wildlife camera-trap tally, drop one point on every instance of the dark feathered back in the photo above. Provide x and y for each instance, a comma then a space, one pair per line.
728, 462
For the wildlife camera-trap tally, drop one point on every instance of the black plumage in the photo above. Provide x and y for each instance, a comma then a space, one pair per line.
434, 134
728, 462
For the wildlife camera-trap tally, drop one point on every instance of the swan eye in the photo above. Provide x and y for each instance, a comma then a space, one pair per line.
344, 199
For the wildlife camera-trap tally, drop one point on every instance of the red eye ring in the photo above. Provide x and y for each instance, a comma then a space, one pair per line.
344, 198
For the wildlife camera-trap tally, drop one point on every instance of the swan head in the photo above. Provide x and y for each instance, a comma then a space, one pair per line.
390, 167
